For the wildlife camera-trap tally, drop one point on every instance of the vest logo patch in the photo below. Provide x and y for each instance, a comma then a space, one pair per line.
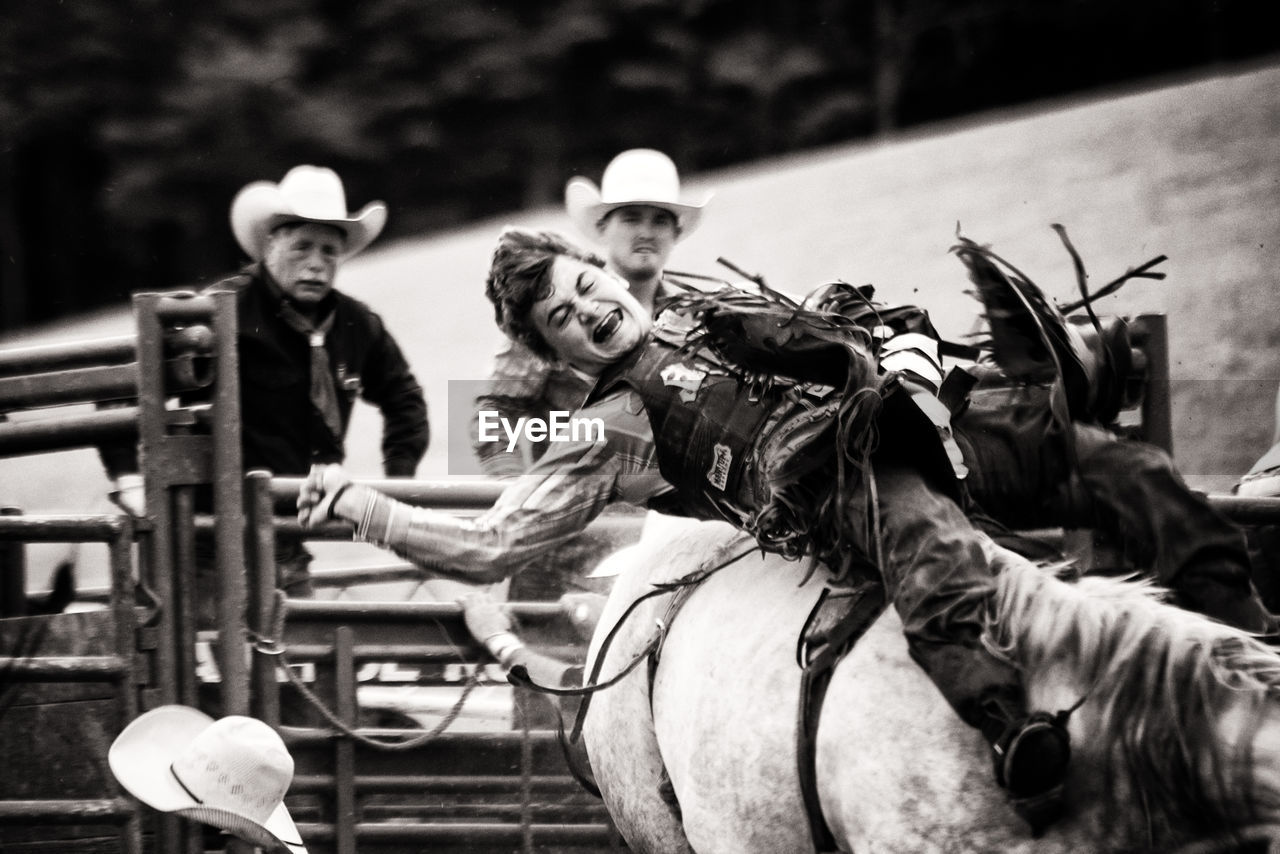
684, 378
718, 474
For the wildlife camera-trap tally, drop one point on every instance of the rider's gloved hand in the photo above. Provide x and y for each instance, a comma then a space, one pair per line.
319, 493
128, 494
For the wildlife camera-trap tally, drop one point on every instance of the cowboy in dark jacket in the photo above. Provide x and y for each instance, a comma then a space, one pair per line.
306, 352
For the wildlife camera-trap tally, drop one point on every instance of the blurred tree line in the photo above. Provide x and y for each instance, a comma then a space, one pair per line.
126, 126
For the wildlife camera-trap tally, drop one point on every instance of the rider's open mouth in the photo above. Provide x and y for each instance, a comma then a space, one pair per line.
607, 327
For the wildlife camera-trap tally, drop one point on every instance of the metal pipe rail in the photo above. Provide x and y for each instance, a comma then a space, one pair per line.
1248, 510
411, 653
89, 372
558, 812
441, 784
68, 431
454, 495
15, 361
116, 811
66, 668
417, 632
177, 307
493, 834
305, 738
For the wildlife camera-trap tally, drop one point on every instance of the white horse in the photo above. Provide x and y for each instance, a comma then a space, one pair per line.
1176, 746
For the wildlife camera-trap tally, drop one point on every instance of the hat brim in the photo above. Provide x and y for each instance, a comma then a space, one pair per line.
260, 208
277, 834
1263, 479
585, 207
1269, 460
141, 757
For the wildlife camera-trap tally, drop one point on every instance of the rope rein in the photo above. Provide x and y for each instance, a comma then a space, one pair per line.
519, 675
274, 646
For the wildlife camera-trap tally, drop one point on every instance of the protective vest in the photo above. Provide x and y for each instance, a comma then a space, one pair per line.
762, 455
705, 422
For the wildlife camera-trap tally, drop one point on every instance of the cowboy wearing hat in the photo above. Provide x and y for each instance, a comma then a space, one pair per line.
307, 351
231, 773
636, 215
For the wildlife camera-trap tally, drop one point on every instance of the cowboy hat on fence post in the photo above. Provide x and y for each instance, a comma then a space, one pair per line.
638, 176
231, 773
305, 194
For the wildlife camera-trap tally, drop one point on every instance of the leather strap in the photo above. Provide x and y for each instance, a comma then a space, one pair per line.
867, 603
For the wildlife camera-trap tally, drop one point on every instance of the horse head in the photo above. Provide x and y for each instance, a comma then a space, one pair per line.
1177, 714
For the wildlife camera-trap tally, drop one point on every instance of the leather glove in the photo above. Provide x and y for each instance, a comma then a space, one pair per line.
128, 494
319, 491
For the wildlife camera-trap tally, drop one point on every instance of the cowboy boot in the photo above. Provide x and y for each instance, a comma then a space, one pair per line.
1031, 753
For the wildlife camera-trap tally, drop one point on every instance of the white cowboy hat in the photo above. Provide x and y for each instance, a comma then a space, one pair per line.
639, 176
1263, 479
231, 773
305, 194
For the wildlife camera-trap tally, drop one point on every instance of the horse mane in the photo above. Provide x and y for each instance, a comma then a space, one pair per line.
1161, 681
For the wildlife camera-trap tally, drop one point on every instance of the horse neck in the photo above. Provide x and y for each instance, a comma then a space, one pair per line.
1181, 711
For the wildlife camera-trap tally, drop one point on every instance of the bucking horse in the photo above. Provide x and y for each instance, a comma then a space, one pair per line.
1174, 718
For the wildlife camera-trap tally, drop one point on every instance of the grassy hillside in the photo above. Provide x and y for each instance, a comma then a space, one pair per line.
1190, 169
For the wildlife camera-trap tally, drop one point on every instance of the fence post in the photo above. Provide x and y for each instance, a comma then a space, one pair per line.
1157, 410
13, 573
260, 523
228, 508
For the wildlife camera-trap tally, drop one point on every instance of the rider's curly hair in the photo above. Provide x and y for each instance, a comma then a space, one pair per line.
520, 275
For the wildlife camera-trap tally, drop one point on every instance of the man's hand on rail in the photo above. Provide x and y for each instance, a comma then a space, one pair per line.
319, 492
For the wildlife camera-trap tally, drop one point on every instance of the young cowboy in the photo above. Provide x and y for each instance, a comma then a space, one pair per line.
636, 216
689, 427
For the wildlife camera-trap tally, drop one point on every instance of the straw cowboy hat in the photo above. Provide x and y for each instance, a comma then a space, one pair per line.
305, 194
640, 176
231, 773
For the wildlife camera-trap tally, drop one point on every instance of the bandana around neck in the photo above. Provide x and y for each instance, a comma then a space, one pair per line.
324, 394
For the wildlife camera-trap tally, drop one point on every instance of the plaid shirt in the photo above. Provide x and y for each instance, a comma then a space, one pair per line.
567, 488
523, 385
